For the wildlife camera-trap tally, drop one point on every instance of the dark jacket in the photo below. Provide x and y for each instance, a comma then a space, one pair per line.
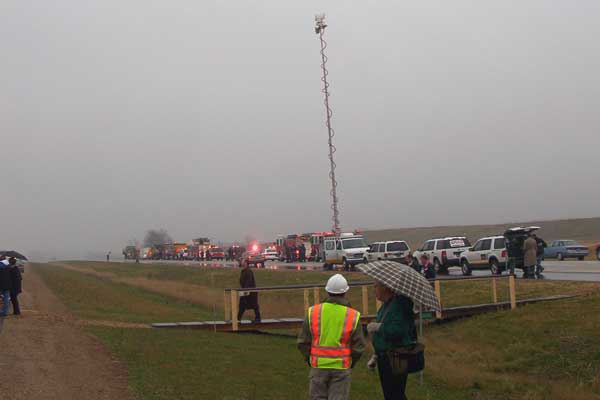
414, 264
398, 327
541, 245
429, 271
247, 281
4, 278
15, 280
357, 339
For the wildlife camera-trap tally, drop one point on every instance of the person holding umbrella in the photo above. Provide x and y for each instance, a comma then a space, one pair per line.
394, 334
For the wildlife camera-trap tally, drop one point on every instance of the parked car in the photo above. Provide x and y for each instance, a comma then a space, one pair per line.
270, 255
255, 258
444, 252
395, 250
215, 253
598, 251
488, 252
561, 249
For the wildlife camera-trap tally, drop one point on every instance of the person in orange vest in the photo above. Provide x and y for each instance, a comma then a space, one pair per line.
331, 342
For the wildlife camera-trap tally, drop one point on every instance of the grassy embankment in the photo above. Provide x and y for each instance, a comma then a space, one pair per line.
542, 351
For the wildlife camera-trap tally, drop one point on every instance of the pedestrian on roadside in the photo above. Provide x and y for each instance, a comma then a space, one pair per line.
108, 257
5, 287
248, 300
15, 285
427, 268
412, 262
395, 328
541, 245
530, 249
288, 254
331, 342
302, 249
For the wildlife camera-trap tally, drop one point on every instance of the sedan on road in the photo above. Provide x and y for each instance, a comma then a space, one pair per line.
562, 249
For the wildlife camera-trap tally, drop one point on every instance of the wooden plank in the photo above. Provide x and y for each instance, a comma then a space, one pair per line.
438, 292
316, 297
365, 300
513, 293
227, 306
234, 310
306, 300
494, 291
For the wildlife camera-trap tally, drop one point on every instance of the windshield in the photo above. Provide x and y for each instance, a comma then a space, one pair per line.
354, 243
397, 246
459, 242
570, 243
216, 250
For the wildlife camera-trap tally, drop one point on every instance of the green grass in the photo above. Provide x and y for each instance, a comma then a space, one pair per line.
95, 298
542, 351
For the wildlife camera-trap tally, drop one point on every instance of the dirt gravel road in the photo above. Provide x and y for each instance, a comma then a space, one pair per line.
45, 354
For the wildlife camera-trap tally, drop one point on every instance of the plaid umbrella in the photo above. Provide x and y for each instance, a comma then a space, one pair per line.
403, 280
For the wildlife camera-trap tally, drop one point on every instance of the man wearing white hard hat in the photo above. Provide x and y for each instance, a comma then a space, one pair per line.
331, 341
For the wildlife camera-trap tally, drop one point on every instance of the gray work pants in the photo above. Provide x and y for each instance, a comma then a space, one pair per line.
329, 384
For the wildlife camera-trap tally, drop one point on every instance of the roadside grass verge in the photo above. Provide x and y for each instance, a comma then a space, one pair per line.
204, 286
541, 351
95, 298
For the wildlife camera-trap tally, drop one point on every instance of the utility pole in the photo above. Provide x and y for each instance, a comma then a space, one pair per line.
320, 30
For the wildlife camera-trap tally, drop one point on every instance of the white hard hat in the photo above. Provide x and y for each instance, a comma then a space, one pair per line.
337, 284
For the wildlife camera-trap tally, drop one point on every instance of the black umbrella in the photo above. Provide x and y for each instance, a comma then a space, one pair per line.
12, 253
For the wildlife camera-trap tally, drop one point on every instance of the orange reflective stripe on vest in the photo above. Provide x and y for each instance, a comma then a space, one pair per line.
331, 327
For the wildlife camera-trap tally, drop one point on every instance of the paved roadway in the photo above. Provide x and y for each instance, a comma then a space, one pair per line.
554, 270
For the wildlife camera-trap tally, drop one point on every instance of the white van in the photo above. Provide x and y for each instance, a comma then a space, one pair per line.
348, 249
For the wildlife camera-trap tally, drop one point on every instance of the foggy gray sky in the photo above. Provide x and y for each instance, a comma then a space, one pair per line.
206, 118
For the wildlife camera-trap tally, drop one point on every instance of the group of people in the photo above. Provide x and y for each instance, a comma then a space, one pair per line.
295, 253
10, 285
422, 266
332, 339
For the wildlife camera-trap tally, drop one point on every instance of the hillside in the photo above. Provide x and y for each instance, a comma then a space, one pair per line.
583, 229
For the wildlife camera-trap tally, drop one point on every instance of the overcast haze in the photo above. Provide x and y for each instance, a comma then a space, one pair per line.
206, 118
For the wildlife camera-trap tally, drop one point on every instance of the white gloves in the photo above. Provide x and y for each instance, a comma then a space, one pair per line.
373, 327
372, 363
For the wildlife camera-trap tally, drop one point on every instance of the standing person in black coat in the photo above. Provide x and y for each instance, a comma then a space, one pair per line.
15, 285
427, 267
248, 300
5, 288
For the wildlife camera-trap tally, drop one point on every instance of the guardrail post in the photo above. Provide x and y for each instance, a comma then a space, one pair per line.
227, 306
365, 300
513, 293
494, 291
234, 310
316, 298
438, 292
306, 301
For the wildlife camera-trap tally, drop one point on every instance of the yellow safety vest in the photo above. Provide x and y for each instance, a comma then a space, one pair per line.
331, 326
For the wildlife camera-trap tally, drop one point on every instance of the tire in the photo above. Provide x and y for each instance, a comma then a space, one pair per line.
598, 254
580, 258
495, 267
466, 269
439, 267
560, 257
347, 265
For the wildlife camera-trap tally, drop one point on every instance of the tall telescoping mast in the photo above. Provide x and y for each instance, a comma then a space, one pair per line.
320, 30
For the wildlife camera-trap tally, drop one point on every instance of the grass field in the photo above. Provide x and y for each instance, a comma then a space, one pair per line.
542, 351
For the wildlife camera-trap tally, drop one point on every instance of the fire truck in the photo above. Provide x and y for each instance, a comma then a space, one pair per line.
312, 241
